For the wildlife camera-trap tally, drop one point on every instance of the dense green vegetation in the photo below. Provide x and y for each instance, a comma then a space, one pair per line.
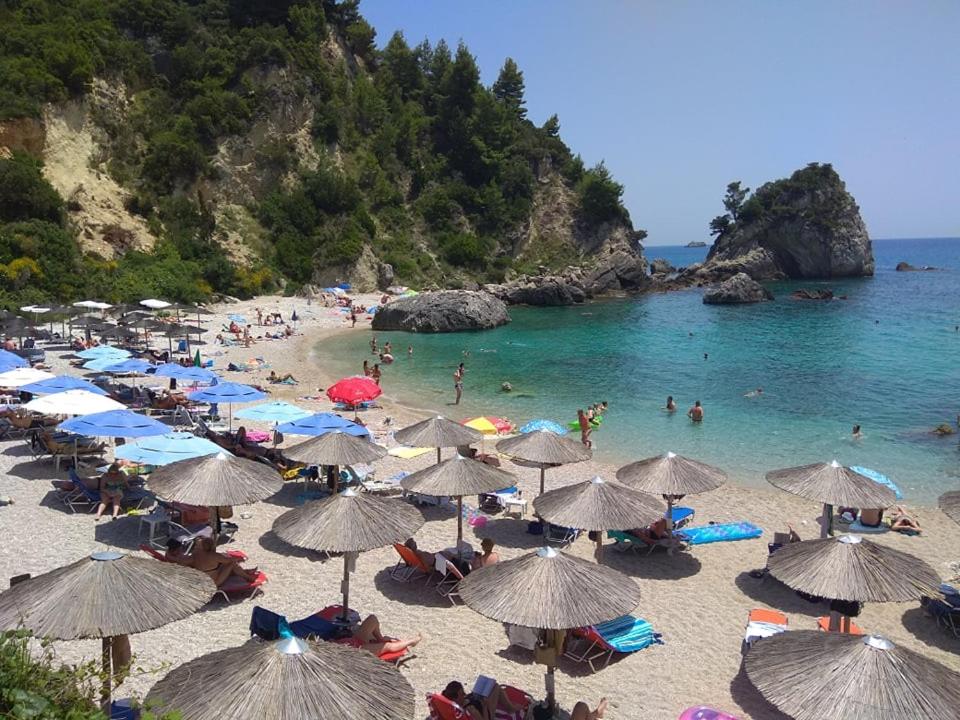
413, 155
779, 198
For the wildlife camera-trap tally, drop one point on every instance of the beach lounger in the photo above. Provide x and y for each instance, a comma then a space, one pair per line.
268, 625
627, 541
762, 623
390, 484
682, 516
450, 579
443, 709
721, 533
946, 615
846, 627
234, 586
409, 565
559, 534
596, 644
497, 501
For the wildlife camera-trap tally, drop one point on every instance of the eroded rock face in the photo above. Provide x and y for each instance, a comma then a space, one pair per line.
739, 289
443, 311
661, 266
804, 226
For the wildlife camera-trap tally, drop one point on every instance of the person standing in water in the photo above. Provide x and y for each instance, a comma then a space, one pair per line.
585, 428
671, 406
366, 368
373, 345
458, 382
857, 434
696, 412
409, 350
375, 373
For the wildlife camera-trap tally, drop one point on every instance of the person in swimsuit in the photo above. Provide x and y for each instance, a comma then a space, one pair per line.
458, 382
671, 406
696, 412
113, 483
857, 433
489, 557
585, 428
582, 711
217, 566
366, 368
367, 636
245, 448
902, 522
375, 373
478, 707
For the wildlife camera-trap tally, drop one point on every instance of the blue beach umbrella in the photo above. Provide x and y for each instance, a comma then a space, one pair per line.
548, 425
192, 373
275, 412
228, 392
322, 423
129, 367
114, 423
61, 383
9, 361
101, 364
102, 351
167, 448
878, 478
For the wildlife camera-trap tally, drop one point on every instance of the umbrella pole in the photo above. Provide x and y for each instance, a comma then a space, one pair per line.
214, 522
106, 650
459, 526
346, 587
826, 524
669, 518
542, 471
599, 545
549, 686
438, 456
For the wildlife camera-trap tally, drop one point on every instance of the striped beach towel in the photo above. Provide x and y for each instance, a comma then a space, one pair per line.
720, 533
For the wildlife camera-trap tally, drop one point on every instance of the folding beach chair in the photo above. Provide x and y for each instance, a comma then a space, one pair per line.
762, 623
596, 644
559, 534
409, 565
82, 496
450, 581
443, 709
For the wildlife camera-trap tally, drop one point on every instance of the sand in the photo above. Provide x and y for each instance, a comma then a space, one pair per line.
698, 600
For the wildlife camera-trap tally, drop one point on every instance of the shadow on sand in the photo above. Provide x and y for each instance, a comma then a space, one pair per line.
749, 698
773, 593
928, 631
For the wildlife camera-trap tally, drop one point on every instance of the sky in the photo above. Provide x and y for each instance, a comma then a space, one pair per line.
681, 97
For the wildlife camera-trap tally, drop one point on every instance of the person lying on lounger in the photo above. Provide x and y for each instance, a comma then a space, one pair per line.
652, 534
206, 559
478, 706
274, 378
901, 522
367, 636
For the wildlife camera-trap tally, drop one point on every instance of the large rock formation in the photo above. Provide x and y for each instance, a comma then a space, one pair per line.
443, 311
540, 290
741, 288
804, 226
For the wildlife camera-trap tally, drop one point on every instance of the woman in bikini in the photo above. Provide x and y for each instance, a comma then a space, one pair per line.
368, 637
218, 566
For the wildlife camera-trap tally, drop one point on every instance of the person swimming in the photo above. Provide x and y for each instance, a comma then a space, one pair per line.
696, 412
857, 434
671, 406
754, 393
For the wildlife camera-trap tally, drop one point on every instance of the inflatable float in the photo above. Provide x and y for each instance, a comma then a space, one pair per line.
595, 423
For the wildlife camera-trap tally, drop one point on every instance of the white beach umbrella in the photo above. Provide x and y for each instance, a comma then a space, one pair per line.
93, 304
155, 304
73, 402
23, 376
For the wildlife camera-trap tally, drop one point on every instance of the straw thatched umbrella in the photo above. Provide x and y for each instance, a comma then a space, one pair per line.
672, 476
348, 523
335, 448
290, 679
832, 484
457, 477
811, 675
598, 505
214, 481
950, 504
852, 569
437, 432
105, 595
544, 449
549, 590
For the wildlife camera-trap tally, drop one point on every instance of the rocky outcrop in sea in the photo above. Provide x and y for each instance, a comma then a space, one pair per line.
739, 289
443, 311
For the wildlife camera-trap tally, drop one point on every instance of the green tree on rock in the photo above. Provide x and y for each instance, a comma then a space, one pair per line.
509, 88
734, 198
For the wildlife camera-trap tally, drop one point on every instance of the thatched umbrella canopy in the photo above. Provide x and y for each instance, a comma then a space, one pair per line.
549, 590
290, 679
854, 569
102, 596
335, 448
950, 504
348, 523
671, 476
812, 675
219, 479
544, 449
457, 477
832, 484
598, 505
437, 432
215, 480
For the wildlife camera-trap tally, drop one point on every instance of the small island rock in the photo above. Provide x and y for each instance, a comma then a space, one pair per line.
443, 311
741, 288
904, 266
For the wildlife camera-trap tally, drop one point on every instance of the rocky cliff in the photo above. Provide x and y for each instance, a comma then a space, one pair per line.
804, 226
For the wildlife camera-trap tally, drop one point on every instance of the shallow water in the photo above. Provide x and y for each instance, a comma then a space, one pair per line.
884, 358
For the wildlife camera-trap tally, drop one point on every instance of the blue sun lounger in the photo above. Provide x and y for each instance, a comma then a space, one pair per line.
721, 533
597, 644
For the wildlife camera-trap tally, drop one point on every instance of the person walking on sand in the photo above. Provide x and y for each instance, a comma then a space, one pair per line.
259, 316
671, 406
585, 428
458, 382
696, 412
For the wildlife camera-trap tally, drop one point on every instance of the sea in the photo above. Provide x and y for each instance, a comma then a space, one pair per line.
884, 357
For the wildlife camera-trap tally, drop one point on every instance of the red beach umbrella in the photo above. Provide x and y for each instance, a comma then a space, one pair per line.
354, 390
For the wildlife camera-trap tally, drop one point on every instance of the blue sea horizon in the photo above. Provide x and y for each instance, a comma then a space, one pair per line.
884, 358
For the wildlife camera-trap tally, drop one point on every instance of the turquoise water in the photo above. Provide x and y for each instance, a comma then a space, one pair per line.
885, 358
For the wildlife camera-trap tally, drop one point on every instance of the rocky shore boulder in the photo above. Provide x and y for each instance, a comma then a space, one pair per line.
804, 226
904, 266
443, 311
741, 288
659, 266
541, 290
805, 294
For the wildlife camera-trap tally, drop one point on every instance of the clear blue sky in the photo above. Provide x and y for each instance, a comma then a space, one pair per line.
679, 98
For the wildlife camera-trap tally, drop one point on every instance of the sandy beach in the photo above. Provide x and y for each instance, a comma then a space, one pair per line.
698, 599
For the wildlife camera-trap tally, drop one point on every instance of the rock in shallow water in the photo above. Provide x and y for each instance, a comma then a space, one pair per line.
444, 311
741, 288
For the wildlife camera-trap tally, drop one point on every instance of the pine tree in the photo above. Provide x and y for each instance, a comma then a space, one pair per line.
509, 88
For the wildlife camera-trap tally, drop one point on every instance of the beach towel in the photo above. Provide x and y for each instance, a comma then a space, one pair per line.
408, 452
857, 527
628, 634
720, 533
